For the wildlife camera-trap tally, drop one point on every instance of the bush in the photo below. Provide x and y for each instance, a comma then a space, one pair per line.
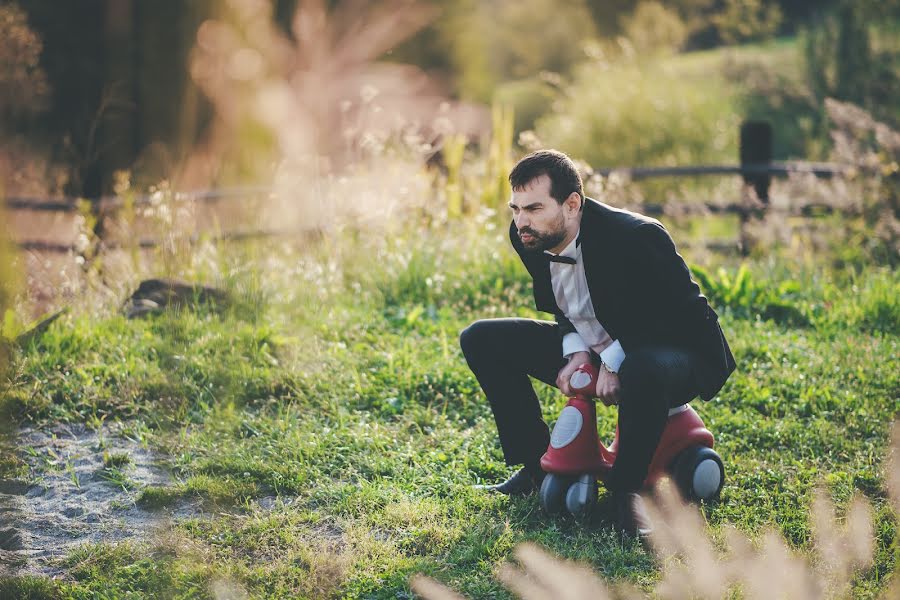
529, 98
652, 29
625, 114
747, 298
514, 39
747, 20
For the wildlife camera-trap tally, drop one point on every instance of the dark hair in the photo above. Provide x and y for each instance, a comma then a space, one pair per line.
564, 177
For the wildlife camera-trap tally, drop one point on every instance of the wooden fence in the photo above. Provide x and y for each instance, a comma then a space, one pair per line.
756, 168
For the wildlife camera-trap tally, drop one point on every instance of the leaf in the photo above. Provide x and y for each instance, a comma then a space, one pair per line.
705, 280
741, 291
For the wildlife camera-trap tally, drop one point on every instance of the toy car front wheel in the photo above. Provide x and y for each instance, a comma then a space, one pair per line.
699, 473
553, 492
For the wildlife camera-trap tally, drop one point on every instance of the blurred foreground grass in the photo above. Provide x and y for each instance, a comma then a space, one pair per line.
335, 382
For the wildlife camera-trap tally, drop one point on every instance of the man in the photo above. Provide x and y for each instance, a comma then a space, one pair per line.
621, 296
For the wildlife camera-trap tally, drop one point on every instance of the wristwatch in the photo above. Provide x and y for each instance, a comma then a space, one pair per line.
608, 370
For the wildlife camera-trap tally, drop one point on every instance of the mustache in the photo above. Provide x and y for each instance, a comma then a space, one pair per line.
528, 231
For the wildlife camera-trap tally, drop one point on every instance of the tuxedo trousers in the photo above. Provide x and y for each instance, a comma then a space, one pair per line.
504, 353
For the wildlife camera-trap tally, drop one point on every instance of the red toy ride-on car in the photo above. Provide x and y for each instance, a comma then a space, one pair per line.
576, 458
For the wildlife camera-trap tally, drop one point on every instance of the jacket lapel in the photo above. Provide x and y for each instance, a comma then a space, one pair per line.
594, 253
543, 288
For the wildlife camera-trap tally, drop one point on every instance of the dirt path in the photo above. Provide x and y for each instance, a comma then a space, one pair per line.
82, 489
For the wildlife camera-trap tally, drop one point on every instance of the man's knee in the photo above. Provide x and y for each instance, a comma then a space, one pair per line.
474, 337
641, 372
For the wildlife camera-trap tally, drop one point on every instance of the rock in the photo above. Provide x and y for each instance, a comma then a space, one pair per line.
154, 295
10, 539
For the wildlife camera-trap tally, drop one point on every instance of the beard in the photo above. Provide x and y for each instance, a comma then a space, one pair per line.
543, 240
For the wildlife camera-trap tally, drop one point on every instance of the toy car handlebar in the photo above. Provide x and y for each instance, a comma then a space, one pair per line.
584, 380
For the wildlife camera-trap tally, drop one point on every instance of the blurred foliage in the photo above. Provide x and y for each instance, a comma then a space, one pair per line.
746, 20
529, 98
853, 54
771, 87
24, 96
849, 53
119, 86
629, 113
116, 90
653, 28
492, 42
23, 84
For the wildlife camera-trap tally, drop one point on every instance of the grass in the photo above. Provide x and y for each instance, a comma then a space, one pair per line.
341, 388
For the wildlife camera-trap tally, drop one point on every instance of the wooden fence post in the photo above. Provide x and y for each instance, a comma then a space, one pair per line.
755, 149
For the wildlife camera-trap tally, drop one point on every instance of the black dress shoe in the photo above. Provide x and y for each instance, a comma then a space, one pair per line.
632, 517
521, 483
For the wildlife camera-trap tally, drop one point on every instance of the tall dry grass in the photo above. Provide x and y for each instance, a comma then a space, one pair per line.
698, 563
319, 96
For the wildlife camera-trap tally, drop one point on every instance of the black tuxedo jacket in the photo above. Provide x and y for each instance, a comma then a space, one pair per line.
641, 290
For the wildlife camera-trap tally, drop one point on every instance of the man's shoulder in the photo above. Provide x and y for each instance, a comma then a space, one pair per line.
612, 224
601, 213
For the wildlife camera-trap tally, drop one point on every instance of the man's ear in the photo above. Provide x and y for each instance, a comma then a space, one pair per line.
573, 202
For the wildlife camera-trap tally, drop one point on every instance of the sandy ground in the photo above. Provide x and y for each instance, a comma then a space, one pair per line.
72, 498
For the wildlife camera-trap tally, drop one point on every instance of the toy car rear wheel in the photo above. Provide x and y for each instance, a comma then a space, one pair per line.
699, 473
553, 492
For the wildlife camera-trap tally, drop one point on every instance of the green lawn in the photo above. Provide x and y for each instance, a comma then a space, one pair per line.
337, 384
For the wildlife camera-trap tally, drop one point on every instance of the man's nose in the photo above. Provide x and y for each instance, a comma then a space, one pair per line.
521, 220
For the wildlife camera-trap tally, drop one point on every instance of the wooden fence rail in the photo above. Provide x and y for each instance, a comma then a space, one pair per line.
779, 168
756, 168
109, 205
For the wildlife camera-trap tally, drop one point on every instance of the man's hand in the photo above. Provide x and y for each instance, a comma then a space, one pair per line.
575, 360
607, 387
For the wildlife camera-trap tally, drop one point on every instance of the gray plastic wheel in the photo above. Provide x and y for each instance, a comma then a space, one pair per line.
582, 496
699, 473
553, 492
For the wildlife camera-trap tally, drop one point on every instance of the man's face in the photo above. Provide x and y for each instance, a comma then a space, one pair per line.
538, 216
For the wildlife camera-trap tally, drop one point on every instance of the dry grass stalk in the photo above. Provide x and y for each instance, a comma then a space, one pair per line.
543, 576
431, 589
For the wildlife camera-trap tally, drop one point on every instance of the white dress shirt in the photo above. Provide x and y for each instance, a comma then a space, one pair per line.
574, 300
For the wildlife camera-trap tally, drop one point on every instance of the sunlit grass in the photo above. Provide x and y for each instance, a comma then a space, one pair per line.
340, 389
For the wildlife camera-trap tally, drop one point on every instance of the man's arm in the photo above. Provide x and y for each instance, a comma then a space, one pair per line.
568, 336
669, 293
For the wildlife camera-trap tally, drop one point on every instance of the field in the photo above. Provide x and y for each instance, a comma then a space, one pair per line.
323, 432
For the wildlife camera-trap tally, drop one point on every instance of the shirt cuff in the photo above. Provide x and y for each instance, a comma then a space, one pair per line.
573, 343
613, 356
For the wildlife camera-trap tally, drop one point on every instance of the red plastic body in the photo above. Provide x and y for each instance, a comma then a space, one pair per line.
587, 454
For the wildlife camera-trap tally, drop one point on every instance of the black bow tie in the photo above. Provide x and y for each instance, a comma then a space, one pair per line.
561, 259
